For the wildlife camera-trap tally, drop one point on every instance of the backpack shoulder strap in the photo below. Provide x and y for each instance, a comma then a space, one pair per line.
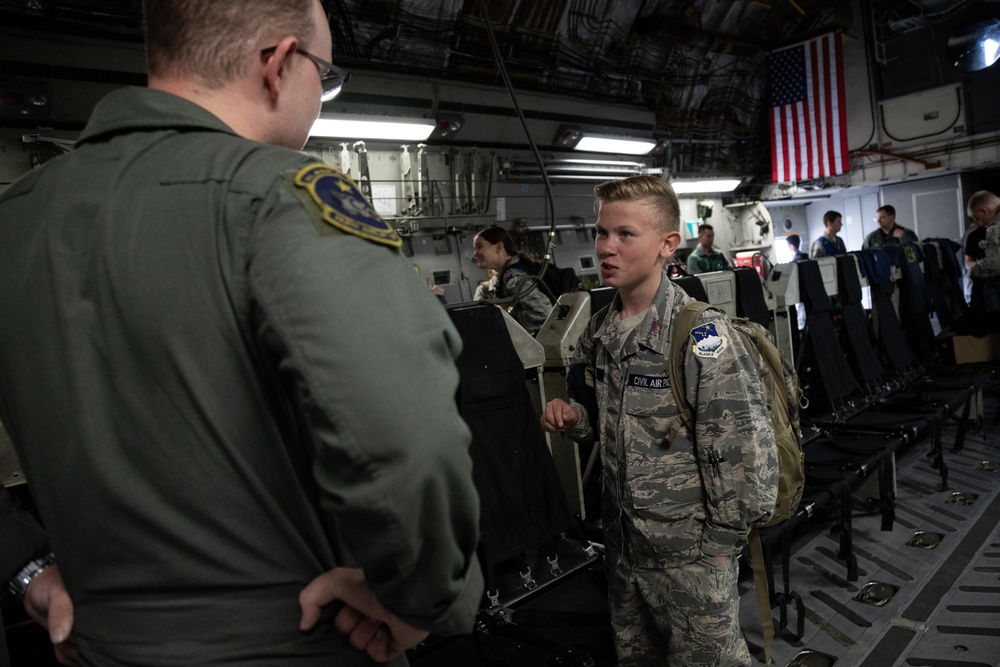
681, 326
762, 593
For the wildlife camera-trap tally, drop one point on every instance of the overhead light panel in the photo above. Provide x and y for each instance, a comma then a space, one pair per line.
571, 136
367, 127
705, 186
606, 143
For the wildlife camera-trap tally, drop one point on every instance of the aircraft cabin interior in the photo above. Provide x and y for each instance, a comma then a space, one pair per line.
461, 115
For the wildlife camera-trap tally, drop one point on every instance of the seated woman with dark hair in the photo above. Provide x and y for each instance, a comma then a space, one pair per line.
494, 249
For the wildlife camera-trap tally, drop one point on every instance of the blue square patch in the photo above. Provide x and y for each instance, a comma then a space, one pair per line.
708, 342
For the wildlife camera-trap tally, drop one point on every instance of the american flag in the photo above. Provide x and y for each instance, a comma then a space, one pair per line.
808, 114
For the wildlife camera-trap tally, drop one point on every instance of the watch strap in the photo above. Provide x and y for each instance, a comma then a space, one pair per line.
18, 584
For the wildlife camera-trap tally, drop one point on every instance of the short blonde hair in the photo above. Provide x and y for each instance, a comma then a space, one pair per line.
213, 40
658, 194
982, 198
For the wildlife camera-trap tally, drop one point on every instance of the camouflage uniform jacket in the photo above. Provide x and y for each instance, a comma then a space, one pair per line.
989, 265
531, 306
675, 502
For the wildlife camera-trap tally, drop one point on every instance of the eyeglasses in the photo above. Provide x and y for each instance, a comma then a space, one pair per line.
331, 77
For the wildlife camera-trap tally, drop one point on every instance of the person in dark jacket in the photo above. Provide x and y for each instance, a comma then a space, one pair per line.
794, 243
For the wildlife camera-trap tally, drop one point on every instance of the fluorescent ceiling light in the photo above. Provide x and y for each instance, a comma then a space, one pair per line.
360, 127
709, 185
603, 143
990, 47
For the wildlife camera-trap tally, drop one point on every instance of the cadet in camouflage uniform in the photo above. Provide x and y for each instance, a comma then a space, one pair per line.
984, 208
676, 515
494, 249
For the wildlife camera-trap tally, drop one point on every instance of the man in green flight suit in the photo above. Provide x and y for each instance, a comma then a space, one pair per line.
705, 257
223, 380
888, 231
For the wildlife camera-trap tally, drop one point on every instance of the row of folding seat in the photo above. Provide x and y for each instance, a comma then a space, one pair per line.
869, 398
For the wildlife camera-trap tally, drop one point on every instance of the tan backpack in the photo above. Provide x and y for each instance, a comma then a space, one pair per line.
782, 394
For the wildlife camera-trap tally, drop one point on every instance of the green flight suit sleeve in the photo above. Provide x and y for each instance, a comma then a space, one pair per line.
695, 263
370, 354
734, 440
910, 236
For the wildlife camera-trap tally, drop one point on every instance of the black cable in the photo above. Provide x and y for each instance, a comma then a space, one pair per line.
374, 41
550, 246
345, 18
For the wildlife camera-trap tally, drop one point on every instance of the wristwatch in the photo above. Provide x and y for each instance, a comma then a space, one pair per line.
18, 584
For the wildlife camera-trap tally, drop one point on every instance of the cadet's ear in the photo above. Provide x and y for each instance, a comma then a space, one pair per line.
669, 244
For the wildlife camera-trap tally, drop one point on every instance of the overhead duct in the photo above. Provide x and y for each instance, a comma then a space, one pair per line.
568, 169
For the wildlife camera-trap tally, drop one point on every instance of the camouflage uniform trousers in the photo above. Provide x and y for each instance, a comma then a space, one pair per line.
679, 616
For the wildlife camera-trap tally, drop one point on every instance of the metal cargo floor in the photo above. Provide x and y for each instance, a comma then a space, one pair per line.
946, 609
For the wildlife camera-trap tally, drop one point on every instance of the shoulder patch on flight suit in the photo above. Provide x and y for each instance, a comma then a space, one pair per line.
708, 343
343, 206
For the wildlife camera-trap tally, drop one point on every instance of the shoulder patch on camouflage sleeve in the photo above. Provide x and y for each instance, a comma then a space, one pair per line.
708, 342
343, 206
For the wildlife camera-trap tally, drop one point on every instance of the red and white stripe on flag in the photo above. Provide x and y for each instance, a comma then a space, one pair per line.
808, 116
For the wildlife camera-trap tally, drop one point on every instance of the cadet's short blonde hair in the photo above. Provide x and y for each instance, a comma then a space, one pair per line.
655, 192
214, 40
982, 198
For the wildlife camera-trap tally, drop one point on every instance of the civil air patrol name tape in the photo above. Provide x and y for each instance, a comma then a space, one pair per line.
343, 206
648, 381
708, 343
